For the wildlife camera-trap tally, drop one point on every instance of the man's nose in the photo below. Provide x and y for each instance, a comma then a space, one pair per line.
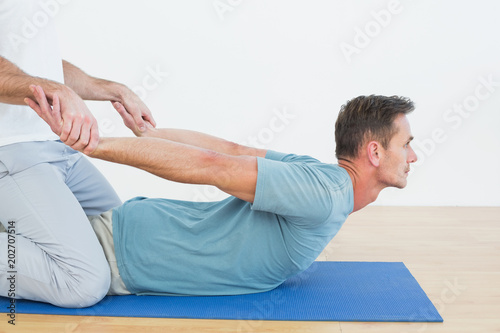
412, 157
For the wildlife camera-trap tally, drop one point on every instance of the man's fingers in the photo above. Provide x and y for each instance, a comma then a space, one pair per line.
136, 115
56, 123
66, 131
120, 108
84, 137
94, 140
149, 118
56, 109
128, 120
32, 104
139, 121
43, 109
41, 101
72, 121
41, 98
76, 131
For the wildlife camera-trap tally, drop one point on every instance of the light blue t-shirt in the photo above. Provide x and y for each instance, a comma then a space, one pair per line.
233, 247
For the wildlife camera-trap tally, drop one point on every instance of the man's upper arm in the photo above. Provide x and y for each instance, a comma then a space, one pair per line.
235, 175
296, 190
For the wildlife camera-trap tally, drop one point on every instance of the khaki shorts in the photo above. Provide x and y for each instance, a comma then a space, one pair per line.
103, 227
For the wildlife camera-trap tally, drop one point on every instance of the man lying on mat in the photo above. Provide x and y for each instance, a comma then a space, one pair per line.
283, 209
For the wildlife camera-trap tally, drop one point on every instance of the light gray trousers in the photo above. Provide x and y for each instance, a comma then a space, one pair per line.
46, 192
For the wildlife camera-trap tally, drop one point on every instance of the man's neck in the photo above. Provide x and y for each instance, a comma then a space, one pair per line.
365, 186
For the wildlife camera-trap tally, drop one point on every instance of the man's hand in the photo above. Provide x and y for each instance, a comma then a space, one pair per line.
69, 118
136, 115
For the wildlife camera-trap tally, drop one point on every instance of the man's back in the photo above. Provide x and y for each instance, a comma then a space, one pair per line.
232, 246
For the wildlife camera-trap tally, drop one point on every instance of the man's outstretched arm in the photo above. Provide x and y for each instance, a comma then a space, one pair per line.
203, 140
192, 138
235, 175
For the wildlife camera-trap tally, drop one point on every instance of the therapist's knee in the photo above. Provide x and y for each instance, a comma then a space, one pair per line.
94, 287
88, 288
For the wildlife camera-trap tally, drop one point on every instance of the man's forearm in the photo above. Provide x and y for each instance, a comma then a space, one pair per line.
170, 160
14, 84
89, 87
203, 140
183, 163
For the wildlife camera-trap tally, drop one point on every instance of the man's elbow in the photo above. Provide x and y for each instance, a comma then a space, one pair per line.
235, 175
241, 150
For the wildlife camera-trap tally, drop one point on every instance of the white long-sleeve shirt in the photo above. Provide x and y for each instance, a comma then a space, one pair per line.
28, 39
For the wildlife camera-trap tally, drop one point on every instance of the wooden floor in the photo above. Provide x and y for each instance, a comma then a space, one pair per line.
454, 253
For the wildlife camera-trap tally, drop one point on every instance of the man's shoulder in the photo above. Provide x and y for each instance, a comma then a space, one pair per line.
327, 175
289, 157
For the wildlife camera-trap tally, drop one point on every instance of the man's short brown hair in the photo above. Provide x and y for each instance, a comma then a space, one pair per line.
367, 118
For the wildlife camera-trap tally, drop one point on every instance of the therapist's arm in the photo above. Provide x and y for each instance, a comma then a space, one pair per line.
92, 88
80, 127
14, 84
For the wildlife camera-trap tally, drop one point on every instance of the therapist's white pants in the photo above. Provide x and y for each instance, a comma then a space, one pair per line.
46, 191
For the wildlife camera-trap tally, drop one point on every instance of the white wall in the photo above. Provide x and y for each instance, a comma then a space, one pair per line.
233, 65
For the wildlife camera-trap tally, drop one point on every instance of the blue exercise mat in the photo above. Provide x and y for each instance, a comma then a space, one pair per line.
327, 291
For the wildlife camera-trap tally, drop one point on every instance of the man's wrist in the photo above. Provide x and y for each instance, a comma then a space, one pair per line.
100, 150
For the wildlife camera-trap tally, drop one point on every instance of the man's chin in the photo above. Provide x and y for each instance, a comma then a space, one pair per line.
402, 184
398, 183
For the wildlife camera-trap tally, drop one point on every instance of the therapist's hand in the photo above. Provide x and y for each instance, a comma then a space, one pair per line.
69, 118
135, 114
130, 122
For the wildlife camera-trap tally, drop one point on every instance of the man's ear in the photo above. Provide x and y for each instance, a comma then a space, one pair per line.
374, 151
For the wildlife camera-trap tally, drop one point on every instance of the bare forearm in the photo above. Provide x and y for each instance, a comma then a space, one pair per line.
203, 140
14, 84
89, 87
235, 175
170, 160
